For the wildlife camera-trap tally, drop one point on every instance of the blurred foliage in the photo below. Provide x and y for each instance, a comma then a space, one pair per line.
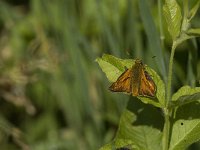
53, 94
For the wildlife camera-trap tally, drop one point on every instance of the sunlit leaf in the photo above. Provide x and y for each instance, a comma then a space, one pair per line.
172, 13
185, 95
113, 67
186, 126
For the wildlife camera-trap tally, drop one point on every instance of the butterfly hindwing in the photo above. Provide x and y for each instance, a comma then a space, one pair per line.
147, 85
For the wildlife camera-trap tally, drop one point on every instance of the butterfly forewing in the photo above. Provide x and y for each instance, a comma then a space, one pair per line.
123, 83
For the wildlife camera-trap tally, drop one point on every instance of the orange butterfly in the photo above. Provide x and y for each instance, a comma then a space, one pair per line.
136, 81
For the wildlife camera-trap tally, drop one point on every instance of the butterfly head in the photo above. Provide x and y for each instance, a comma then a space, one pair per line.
138, 61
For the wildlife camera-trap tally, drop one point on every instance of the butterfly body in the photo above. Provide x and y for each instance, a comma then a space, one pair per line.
135, 81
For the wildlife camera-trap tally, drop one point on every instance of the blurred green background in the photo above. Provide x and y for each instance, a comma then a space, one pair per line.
53, 94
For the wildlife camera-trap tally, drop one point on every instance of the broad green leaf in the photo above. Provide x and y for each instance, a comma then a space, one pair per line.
185, 95
113, 67
172, 13
186, 126
193, 11
143, 136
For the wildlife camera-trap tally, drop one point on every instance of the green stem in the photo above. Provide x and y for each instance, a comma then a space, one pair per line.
169, 78
166, 130
167, 111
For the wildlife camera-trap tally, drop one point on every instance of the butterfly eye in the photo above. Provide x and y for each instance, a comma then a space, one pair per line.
138, 61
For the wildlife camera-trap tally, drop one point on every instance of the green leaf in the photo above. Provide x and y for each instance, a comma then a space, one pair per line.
183, 37
190, 33
185, 95
186, 126
194, 32
172, 13
160, 91
119, 143
193, 11
145, 136
139, 128
107, 147
113, 67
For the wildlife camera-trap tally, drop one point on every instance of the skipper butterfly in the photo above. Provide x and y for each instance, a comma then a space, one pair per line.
135, 81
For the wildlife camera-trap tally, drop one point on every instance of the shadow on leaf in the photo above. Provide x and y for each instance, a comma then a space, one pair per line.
146, 114
188, 111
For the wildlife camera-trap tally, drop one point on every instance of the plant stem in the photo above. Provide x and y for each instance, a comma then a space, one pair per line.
167, 111
166, 130
169, 78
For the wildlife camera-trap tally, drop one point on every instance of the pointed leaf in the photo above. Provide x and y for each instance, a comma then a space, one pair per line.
194, 32
113, 67
185, 95
172, 13
194, 10
186, 126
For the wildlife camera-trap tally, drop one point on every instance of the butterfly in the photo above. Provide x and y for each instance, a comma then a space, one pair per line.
136, 81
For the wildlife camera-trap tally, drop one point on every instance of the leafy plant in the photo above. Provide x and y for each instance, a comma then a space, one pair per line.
177, 124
